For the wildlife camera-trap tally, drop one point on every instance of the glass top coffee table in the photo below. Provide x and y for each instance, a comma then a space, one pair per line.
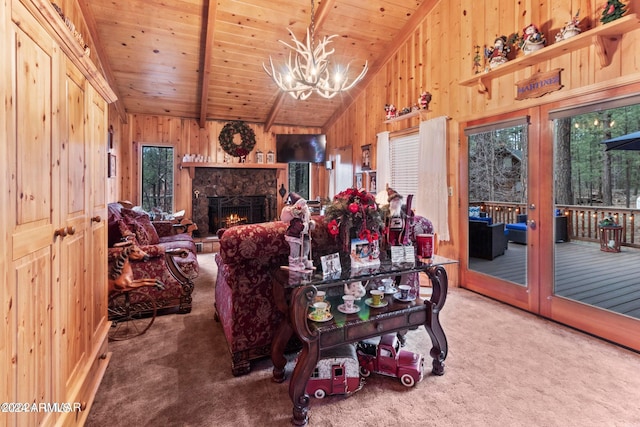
295, 292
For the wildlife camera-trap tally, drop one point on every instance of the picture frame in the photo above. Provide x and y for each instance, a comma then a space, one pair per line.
372, 184
111, 166
364, 253
403, 254
331, 265
366, 157
359, 180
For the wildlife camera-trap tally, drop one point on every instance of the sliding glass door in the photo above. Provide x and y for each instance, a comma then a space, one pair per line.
569, 210
596, 243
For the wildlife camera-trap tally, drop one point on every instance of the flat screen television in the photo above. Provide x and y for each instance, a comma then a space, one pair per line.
302, 148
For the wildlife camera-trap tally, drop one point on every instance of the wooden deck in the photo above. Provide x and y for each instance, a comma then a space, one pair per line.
583, 273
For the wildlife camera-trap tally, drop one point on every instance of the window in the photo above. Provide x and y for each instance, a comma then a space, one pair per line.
300, 179
157, 179
404, 164
497, 163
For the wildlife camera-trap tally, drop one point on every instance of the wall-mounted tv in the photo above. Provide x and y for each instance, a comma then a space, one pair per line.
303, 148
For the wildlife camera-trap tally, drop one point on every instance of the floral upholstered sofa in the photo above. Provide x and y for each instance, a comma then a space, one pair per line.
244, 300
171, 256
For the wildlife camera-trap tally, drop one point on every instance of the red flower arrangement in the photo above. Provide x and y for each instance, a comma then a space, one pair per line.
352, 214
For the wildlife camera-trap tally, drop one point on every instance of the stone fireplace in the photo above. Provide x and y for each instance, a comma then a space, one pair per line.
223, 197
227, 211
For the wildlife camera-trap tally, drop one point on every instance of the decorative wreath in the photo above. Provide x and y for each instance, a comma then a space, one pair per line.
246, 133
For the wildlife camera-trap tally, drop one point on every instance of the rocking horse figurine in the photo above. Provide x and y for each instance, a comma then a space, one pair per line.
131, 311
121, 274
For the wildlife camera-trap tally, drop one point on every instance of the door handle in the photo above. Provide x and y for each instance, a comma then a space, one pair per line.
96, 218
71, 230
532, 224
60, 232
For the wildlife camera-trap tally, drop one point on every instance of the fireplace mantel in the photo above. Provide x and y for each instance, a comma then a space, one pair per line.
191, 166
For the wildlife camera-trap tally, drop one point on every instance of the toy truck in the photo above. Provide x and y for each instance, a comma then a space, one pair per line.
386, 358
337, 372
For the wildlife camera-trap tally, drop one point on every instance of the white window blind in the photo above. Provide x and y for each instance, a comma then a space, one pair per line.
404, 164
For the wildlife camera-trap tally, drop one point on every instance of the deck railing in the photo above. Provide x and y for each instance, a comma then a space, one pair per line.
582, 221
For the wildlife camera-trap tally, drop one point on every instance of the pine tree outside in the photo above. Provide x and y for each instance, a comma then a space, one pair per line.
157, 179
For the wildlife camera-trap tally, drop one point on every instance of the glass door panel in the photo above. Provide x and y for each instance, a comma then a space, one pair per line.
596, 236
497, 195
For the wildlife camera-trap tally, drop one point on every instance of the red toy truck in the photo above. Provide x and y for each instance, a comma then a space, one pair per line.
337, 372
387, 358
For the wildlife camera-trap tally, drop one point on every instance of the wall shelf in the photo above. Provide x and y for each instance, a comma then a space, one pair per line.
605, 38
191, 166
414, 113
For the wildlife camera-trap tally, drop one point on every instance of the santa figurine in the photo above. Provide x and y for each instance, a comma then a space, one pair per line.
425, 99
296, 213
395, 220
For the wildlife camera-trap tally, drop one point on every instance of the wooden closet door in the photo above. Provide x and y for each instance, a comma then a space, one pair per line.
71, 295
97, 136
32, 215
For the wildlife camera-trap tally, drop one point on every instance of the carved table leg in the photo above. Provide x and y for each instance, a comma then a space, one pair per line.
440, 283
308, 358
282, 335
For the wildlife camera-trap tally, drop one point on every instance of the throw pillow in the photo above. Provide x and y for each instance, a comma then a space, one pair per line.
474, 210
140, 224
126, 232
114, 233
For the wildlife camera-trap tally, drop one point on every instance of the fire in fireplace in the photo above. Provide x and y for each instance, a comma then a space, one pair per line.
227, 211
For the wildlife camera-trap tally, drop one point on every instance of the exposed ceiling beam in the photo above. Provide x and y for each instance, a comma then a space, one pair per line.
102, 57
208, 20
275, 108
320, 16
403, 35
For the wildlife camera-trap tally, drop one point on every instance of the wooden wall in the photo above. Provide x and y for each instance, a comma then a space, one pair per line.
439, 54
436, 56
186, 136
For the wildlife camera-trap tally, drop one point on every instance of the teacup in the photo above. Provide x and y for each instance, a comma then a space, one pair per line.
404, 291
320, 296
348, 302
376, 297
319, 311
388, 285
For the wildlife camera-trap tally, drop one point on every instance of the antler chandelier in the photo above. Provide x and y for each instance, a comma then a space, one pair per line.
308, 71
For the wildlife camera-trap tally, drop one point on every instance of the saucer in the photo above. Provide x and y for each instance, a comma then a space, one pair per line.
369, 302
408, 299
328, 317
388, 292
342, 309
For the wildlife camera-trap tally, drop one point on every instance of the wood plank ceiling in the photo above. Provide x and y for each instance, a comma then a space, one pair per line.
153, 52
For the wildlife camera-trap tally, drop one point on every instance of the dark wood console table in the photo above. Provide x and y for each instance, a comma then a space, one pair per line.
294, 293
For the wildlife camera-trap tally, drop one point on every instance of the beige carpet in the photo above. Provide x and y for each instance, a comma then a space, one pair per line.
505, 368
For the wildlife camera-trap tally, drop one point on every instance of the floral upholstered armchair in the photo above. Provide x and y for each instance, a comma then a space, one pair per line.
171, 256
